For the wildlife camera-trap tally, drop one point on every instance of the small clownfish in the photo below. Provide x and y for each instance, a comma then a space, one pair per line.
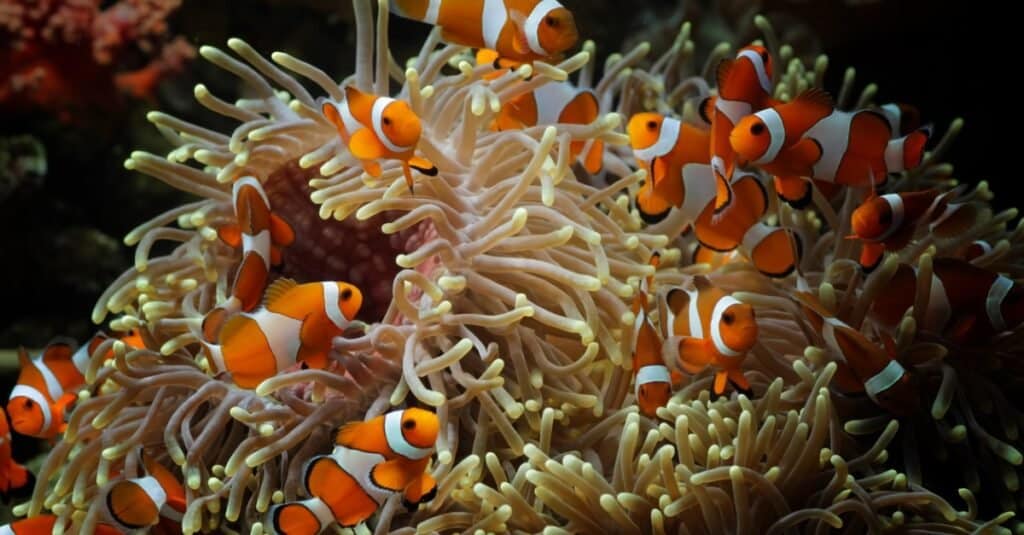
966, 303
371, 461
155, 500
520, 30
15, 480
715, 329
375, 127
863, 366
975, 249
664, 146
296, 323
744, 87
653, 380
903, 118
809, 138
261, 235
888, 222
554, 103
45, 524
47, 386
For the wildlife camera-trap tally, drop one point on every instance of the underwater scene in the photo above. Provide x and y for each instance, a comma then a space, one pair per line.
504, 266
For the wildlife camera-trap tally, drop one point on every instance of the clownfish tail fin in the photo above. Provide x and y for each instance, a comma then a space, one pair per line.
907, 152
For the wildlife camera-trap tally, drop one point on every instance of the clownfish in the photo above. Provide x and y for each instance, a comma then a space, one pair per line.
715, 329
664, 146
15, 479
296, 323
966, 303
975, 249
744, 87
375, 127
863, 366
261, 235
44, 525
46, 386
653, 380
903, 118
145, 502
520, 30
371, 461
809, 138
553, 103
888, 222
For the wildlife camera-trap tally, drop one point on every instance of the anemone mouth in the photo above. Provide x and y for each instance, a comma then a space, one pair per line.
350, 250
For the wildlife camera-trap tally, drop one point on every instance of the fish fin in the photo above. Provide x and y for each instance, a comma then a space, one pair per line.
332, 114
423, 165
348, 433
230, 234
652, 208
277, 289
740, 382
794, 190
812, 304
129, 505
313, 355
721, 380
293, 518
702, 283
359, 103
722, 72
520, 44
871, 255
807, 152
250, 280
676, 378
281, 233
706, 109
595, 158
659, 171
694, 355
419, 490
58, 350
364, 145
372, 168
407, 173
392, 474
95, 341
275, 256
325, 479
582, 109
487, 56
778, 253
816, 97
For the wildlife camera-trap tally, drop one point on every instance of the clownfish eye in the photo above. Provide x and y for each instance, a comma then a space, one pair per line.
764, 56
757, 129
409, 424
651, 125
29, 403
728, 318
643, 391
385, 121
346, 294
551, 21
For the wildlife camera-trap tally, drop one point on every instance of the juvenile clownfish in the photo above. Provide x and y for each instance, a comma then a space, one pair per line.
664, 146
371, 461
653, 380
809, 138
155, 500
715, 329
374, 127
863, 366
888, 222
296, 324
975, 249
520, 30
553, 103
966, 303
44, 525
261, 235
744, 87
15, 479
47, 386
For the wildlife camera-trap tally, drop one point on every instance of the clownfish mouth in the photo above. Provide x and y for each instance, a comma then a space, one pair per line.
350, 250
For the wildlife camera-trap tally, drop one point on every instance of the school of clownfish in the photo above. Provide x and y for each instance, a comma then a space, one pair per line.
711, 173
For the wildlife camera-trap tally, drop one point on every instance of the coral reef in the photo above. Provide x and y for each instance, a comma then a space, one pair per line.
506, 311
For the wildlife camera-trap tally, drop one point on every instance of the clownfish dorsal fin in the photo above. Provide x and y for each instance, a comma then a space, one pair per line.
95, 341
706, 109
817, 97
59, 348
277, 290
347, 433
358, 100
722, 72
24, 360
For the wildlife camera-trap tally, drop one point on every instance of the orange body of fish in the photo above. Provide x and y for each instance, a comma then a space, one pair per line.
155, 501
652, 377
15, 479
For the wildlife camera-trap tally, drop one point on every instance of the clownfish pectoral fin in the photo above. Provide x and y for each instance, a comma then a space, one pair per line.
407, 173
310, 353
594, 160
419, 490
659, 170
423, 165
294, 519
652, 208
871, 254
721, 380
281, 233
722, 72
390, 475
740, 382
794, 190
693, 355
231, 235
364, 145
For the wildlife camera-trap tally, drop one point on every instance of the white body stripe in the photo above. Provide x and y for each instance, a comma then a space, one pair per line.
699, 189
551, 99
320, 510
396, 440
152, 488
883, 380
667, 137
776, 134
892, 112
638, 321
994, 302
696, 328
359, 465
283, 335
894, 155
895, 203
532, 25
652, 373
170, 513
259, 244
762, 73
938, 312
734, 110
433, 8
6, 530
832, 133
349, 120
254, 183
331, 305
52, 383
217, 356
80, 358
754, 235
716, 326
495, 17
376, 116
828, 332
25, 391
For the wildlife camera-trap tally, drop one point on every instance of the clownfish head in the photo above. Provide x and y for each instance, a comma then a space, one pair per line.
756, 65
644, 129
350, 300
555, 28
420, 427
400, 125
901, 398
872, 219
738, 327
26, 415
753, 138
650, 396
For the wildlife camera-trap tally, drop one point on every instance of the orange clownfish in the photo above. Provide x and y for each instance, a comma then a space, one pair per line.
653, 380
966, 303
144, 502
553, 103
375, 127
44, 525
46, 386
664, 146
888, 222
863, 366
261, 235
15, 479
809, 138
371, 461
744, 87
520, 30
716, 329
296, 324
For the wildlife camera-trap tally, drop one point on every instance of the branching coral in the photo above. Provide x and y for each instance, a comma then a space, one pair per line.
507, 313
